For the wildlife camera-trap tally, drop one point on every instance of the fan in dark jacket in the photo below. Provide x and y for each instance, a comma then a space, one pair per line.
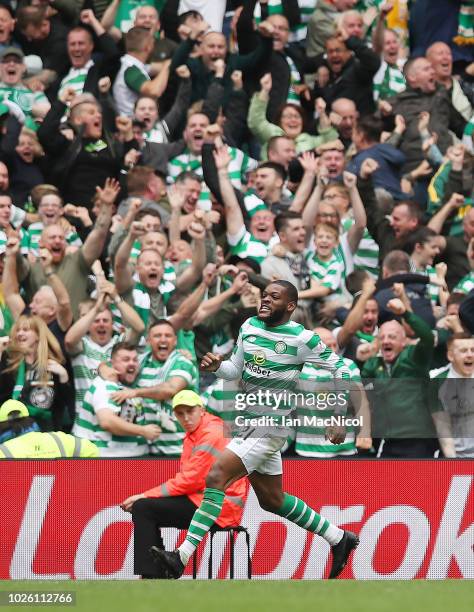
287, 64
91, 154
423, 94
347, 70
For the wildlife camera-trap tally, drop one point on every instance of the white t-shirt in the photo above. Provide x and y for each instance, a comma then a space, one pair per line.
212, 12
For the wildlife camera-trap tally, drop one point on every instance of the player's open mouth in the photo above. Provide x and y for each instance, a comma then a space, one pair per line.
131, 370
264, 308
56, 250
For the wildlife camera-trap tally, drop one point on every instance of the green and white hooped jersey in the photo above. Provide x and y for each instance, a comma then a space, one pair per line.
330, 273
240, 163
76, 78
87, 425
153, 372
3, 241
367, 255
388, 81
310, 440
270, 360
298, 32
142, 302
220, 400
31, 238
433, 288
86, 363
466, 284
245, 245
22, 96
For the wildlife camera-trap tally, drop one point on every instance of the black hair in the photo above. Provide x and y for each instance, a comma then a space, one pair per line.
161, 322
278, 168
291, 290
281, 220
182, 18
16, 427
355, 280
371, 127
421, 235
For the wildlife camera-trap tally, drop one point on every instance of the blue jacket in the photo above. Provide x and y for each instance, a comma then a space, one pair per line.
390, 161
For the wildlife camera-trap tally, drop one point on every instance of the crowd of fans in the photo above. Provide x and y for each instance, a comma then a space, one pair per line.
162, 161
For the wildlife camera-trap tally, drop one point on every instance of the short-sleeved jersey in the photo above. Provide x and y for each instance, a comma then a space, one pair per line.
86, 363
270, 359
154, 372
311, 440
87, 425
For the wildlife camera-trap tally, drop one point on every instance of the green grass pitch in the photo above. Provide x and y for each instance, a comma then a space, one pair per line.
257, 596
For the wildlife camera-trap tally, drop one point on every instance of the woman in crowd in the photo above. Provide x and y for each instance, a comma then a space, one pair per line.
32, 371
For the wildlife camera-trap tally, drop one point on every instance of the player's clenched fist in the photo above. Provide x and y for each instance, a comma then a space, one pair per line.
210, 362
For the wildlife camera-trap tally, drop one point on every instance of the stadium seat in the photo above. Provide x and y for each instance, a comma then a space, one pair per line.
232, 531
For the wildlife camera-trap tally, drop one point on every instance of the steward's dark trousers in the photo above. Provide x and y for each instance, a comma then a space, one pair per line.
149, 514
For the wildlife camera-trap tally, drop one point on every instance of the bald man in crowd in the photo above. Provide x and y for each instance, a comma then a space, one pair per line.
400, 415
441, 58
344, 118
423, 93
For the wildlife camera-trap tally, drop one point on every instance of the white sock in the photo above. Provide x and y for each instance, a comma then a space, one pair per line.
333, 535
185, 551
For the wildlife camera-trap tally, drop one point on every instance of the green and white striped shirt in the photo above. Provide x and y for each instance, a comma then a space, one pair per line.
245, 245
270, 359
154, 372
148, 306
367, 255
433, 288
219, 399
22, 96
86, 363
328, 273
298, 32
311, 441
87, 425
466, 284
240, 163
388, 81
76, 78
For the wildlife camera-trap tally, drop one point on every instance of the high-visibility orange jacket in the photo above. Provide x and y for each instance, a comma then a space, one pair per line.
200, 450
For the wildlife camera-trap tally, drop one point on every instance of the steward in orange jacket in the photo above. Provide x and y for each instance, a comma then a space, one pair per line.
173, 503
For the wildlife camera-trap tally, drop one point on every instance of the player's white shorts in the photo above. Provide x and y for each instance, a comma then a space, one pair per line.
260, 455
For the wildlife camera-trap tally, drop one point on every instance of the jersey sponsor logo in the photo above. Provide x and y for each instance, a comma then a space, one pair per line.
280, 347
256, 369
259, 357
